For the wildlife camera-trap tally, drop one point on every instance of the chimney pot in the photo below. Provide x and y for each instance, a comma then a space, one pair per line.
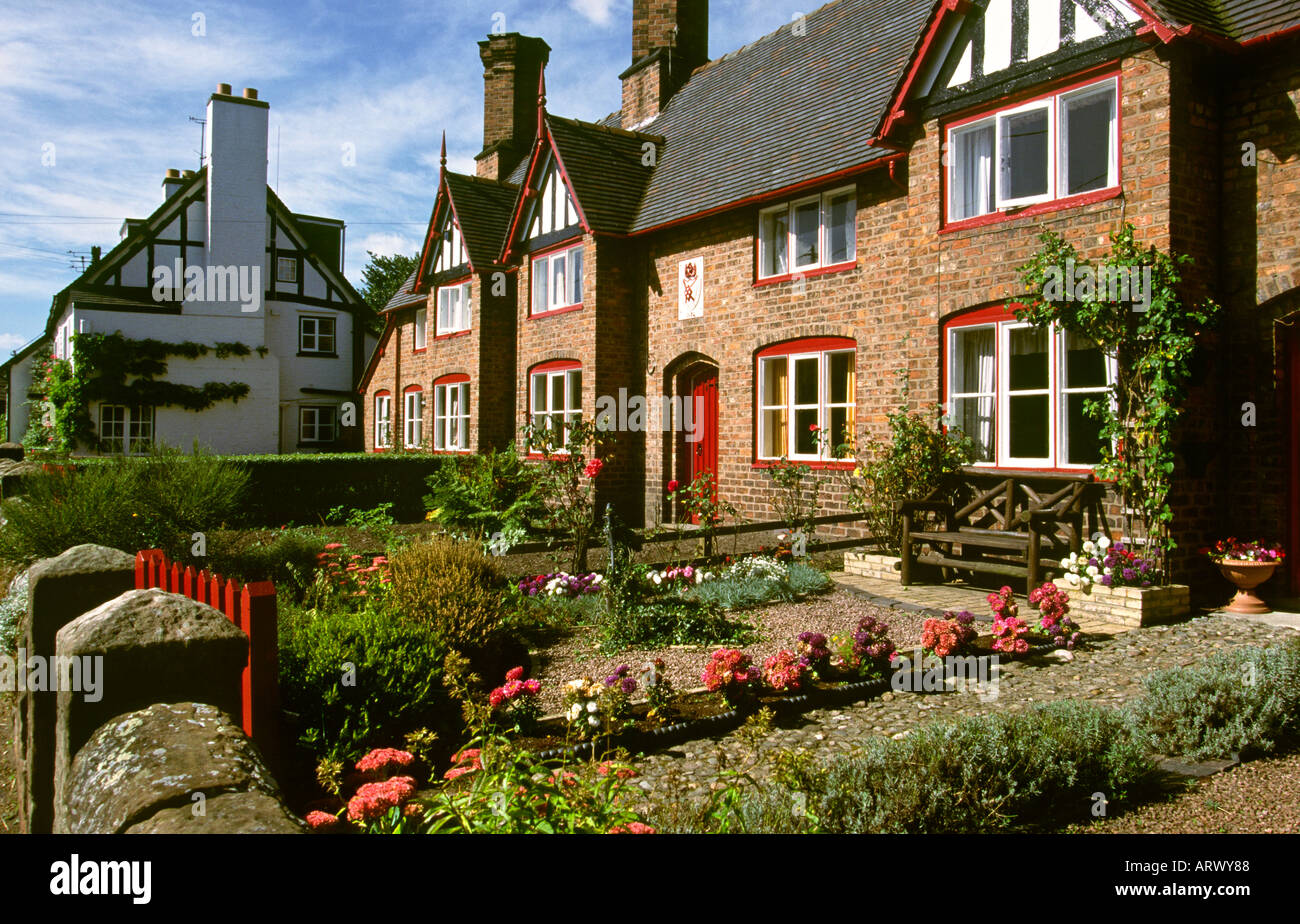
173, 173
223, 89
187, 174
250, 93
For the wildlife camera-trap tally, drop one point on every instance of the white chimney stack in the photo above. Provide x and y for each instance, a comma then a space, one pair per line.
235, 157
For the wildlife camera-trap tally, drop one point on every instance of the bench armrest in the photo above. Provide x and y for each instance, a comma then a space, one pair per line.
912, 506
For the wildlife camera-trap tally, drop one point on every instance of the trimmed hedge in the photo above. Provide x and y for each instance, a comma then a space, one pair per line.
302, 489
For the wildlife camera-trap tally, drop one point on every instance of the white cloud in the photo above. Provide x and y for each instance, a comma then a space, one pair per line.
598, 11
11, 342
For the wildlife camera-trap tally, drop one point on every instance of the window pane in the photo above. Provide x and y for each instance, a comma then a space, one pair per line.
974, 418
774, 434
806, 386
557, 392
841, 230
1082, 433
805, 440
1028, 360
807, 222
557, 279
575, 276
974, 368
1024, 153
1087, 133
841, 378
1029, 425
776, 239
774, 379
1085, 364
972, 175
539, 394
540, 301
842, 428
575, 390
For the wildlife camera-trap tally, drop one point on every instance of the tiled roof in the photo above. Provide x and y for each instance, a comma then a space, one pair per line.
785, 109
1241, 20
405, 294
484, 208
607, 169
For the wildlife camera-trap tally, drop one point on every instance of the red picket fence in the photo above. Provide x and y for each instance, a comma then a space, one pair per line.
251, 607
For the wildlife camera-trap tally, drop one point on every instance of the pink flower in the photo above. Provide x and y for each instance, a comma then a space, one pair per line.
373, 800
323, 822
333, 545
633, 827
516, 673
382, 761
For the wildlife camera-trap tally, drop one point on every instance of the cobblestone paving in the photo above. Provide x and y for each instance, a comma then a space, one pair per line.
1109, 670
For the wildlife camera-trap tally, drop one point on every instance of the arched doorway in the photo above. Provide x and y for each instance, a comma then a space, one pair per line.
695, 421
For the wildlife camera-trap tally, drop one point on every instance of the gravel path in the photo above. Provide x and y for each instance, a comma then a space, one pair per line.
1107, 671
1258, 797
778, 626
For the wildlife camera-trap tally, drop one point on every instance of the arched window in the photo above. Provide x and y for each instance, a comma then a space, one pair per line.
383, 420
805, 398
451, 413
1021, 393
413, 416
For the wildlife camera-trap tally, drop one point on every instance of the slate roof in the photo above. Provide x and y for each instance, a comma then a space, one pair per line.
484, 208
405, 294
606, 169
782, 110
1241, 20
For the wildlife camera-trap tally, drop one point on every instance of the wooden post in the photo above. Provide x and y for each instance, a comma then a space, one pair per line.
905, 569
174, 579
1034, 551
215, 591
205, 581
230, 603
188, 580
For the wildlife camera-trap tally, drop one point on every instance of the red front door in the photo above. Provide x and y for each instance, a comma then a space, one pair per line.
704, 415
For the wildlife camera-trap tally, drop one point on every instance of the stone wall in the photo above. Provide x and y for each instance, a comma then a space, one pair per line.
131, 730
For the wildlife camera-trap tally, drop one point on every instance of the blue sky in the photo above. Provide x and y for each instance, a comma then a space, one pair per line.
107, 89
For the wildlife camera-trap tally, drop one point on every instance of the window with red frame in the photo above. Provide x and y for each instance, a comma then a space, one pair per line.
1021, 393
556, 401
451, 414
804, 385
1055, 147
808, 234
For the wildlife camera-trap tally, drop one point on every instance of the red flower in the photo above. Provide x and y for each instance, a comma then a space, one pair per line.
673, 486
813, 428
385, 760
323, 822
593, 468
515, 673
634, 827
373, 800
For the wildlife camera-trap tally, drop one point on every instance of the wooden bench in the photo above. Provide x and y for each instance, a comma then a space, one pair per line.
995, 521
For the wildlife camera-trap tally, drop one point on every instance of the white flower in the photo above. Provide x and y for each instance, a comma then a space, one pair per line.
1092, 571
1073, 579
1089, 547
574, 711
1103, 543
593, 721
592, 707
657, 578
699, 577
575, 684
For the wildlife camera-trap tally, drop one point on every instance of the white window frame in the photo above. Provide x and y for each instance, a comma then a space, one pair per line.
954, 396
824, 453
137, 426
318, 418
572, 409
1002, 155
317, 334
1106, 87
573, 290
1057, 149
790, 209
454, 306
413, 418
421, 334
1058, 442
383, 421
280, 265
442, 420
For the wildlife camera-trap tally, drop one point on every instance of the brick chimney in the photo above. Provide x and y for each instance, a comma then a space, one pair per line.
512, 66
670, 39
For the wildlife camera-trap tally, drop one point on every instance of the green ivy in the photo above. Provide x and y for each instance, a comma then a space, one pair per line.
104, 364
1153, 350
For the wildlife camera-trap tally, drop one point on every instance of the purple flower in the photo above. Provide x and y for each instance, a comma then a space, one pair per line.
629, 686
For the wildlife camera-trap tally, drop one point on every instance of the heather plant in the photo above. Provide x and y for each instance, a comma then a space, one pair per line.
1245, 701
450, 586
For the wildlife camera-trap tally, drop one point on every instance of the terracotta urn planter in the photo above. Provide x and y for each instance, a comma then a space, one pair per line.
1246, 576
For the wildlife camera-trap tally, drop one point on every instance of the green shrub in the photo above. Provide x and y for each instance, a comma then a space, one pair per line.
450, 586
742, 587
289, 560
1025, 771
805, 579
127, 504
484, 495
671, 621
394, 687
1243, 701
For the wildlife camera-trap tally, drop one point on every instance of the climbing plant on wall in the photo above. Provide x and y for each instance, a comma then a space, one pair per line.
1151, 335
112, 369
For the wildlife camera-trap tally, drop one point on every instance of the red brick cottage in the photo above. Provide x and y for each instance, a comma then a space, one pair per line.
768, 237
